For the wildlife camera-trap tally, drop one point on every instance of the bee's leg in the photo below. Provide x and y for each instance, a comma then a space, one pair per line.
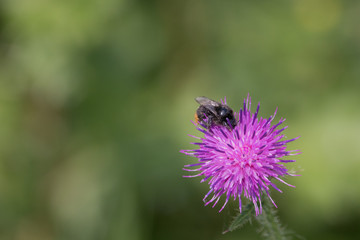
209, 122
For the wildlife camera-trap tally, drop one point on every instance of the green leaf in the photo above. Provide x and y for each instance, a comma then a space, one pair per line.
242, 218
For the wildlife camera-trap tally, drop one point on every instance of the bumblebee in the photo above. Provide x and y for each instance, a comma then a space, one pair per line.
211, 113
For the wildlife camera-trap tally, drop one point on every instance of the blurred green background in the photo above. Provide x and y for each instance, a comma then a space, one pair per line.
96, 98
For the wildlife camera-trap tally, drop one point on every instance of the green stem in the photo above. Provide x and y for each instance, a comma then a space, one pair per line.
270, 225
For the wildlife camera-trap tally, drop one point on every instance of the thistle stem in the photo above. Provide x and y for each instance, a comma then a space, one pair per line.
270, 226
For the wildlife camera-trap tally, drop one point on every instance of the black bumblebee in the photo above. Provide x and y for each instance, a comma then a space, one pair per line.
212, 113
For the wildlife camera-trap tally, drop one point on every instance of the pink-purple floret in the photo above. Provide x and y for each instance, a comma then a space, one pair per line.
243, 160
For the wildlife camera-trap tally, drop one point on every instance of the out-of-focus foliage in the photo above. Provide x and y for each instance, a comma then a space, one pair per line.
96, 99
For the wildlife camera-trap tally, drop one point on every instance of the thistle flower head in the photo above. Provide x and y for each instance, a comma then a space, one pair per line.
242, 161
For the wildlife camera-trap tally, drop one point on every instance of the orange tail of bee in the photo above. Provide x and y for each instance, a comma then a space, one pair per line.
196, 118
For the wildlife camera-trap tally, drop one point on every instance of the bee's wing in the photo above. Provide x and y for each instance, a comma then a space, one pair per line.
208, 103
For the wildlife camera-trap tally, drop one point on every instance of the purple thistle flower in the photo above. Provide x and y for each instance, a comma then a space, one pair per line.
243, 160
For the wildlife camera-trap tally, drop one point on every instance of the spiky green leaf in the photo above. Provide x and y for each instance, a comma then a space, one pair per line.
242, 218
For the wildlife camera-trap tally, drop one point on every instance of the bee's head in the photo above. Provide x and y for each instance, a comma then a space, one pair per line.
227, 116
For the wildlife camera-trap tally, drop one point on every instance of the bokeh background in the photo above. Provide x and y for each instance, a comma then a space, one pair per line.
96, 98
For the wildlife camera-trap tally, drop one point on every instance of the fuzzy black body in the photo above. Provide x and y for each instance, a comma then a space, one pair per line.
212, 113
